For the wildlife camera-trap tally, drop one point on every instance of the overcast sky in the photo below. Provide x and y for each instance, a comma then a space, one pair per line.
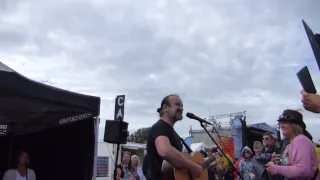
221, 56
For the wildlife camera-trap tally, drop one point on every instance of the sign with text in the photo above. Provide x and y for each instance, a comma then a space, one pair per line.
75, 118
3, 130
102, 166
119, 108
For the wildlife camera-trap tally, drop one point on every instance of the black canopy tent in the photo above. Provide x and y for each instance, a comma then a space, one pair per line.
58, 128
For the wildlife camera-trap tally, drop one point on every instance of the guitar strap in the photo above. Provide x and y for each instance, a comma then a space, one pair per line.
183, 142
188, 149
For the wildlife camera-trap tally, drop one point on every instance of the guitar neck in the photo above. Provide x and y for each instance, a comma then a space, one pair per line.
207, 162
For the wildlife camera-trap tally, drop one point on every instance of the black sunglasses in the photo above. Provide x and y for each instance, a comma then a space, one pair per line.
287, 117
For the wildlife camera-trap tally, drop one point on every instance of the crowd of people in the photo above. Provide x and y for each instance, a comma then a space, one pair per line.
292, 158
295, 157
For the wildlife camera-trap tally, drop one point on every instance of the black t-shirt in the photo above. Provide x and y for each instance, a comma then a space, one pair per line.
160, 128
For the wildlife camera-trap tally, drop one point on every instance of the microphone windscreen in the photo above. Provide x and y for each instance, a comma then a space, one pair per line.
190, 115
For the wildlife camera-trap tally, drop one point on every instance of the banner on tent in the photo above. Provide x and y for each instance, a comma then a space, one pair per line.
102, 166
75, 118
3, 130
119, 108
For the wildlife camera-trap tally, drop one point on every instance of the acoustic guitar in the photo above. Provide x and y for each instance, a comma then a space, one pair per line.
172, 173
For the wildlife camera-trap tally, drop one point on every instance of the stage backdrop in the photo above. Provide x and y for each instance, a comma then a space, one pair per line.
237, 137
227, 145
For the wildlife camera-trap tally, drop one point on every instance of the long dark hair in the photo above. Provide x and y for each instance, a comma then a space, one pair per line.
165, 101
129, 164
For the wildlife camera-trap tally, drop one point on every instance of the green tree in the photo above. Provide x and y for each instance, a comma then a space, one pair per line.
140, 136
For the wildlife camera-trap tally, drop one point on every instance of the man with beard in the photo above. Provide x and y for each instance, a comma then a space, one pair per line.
163, 142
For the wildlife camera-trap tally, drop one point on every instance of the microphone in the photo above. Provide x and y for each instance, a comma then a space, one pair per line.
192, 116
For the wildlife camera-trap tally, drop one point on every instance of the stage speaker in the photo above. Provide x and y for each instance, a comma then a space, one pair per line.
116, 132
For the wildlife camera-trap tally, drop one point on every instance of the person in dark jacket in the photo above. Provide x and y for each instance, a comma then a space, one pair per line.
268, 143
283, 144
145, 166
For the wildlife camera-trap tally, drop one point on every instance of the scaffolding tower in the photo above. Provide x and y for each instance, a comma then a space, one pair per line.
229, 130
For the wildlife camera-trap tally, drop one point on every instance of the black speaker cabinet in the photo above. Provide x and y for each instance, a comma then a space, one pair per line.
116, 132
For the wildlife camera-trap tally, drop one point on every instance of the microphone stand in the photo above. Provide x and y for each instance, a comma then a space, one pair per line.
117, 154
230, 163
116, 162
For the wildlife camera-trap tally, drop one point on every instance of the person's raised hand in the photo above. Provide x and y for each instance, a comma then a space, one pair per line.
217, 156
276, 158
311, 102
269, 167
217, 160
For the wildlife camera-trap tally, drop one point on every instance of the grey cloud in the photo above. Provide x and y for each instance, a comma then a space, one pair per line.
11, 37
224, 56
3, 5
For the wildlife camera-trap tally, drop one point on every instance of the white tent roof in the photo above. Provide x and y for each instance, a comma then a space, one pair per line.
135, 146
198, 146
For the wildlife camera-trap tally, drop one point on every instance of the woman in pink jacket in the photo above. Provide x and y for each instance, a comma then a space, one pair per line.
299, 160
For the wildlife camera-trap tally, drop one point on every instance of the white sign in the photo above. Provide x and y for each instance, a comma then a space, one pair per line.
3, 129
74, 118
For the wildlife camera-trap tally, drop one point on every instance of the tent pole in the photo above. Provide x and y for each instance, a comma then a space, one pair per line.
10, 149
96, 130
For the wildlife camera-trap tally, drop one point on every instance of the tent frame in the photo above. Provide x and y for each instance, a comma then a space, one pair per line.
28, 103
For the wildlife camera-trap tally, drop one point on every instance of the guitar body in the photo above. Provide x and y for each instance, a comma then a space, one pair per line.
171, 173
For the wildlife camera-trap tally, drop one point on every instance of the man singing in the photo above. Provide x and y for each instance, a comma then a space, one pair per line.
164, 144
